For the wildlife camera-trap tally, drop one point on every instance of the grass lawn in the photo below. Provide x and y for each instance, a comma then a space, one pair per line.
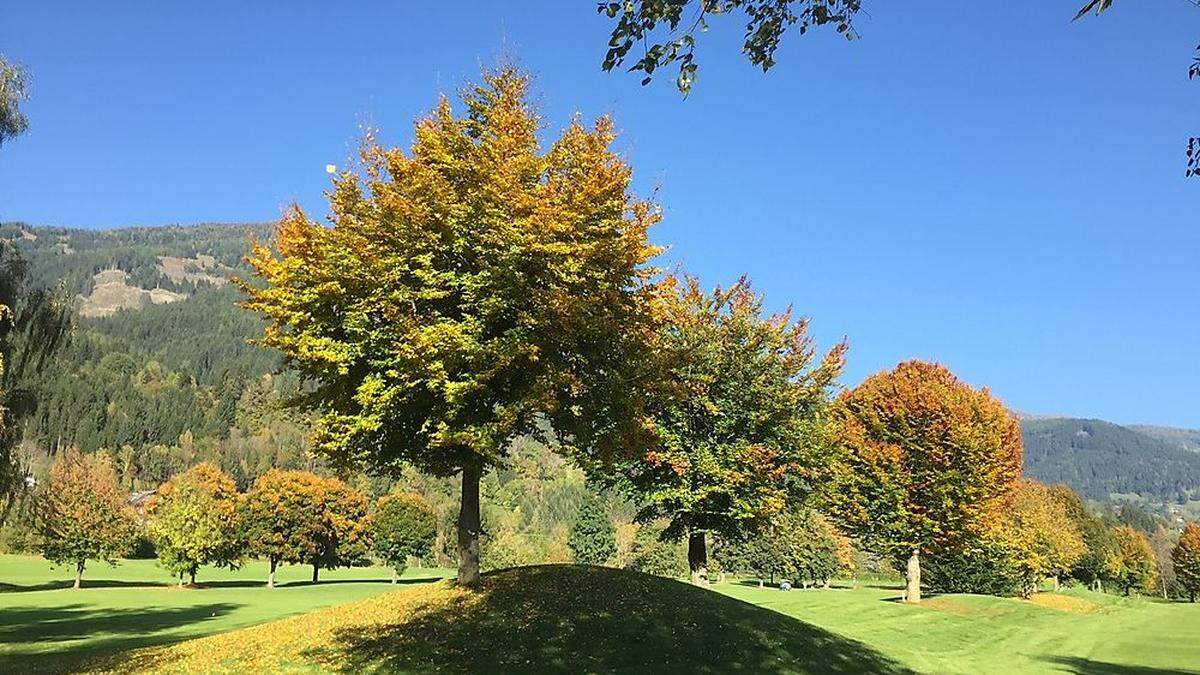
568, 619
45, 625
565, 619
1075, 631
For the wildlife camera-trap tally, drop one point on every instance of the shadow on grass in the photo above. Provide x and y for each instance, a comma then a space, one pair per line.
1082, 666
105, 630
200, 585
570, 619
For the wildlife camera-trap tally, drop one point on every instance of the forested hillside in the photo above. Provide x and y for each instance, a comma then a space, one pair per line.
1099, 459
163, 385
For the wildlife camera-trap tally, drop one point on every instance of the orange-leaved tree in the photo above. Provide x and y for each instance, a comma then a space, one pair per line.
1134, 566
80, 513
1186, 559
925, 459
469, 289
299, 517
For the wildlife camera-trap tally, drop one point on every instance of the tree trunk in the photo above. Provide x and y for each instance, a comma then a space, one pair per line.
271, 574
181, 578
1056, 587
912, 577
192, 577
79, 573
393, 575
468, 525
760, 583
698, 558
316, 571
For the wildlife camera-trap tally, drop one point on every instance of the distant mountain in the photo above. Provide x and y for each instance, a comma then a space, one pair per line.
1099, 459
1188, 439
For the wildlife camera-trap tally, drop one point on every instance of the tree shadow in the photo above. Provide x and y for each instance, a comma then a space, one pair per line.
104, 629
1083, 666
566, 619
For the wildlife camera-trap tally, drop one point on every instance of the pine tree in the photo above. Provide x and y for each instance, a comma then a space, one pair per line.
593, 539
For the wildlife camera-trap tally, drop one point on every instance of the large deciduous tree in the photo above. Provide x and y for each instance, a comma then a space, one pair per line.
403, 526
926, 460
468, 289
194, 521
80, 514
1185, 558
740, 418
299, 517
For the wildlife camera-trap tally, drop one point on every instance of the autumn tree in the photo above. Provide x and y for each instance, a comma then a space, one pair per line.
80, 514
403, 526
468, 289
926, 459
194, 521
593, 538
297, 517
1043, 540
1185, 558
739, 418
1134, 566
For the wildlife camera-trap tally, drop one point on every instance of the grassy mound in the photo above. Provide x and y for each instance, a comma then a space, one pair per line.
553, 618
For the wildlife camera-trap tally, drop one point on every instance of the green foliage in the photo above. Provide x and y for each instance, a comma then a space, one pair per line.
593, 539
800, 545
195, 520
982, 563
403, 526
678, 22
80, 514
740, 415
652, 553
14, 89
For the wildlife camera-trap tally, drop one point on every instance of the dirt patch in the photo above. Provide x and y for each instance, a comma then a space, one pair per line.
201, 269
111, 293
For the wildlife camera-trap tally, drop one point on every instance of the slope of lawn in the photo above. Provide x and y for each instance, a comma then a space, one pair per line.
553, 618
1075, 631
578, 619
46, 626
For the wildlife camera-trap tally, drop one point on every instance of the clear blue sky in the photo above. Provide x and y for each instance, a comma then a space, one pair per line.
983, 184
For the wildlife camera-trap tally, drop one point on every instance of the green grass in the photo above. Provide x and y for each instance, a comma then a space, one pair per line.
1074, 632
45, 625
570, 619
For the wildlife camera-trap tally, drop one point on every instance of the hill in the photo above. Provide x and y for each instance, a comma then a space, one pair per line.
1188, 439
1099, 459
569, 619
549, 619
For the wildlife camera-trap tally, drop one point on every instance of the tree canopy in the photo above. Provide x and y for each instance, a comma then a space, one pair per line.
195, 520
593, 539
403, 526
468, 289
739, 417
80, 514
925, 459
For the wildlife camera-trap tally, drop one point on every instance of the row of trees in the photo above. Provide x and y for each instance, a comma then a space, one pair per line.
199, 518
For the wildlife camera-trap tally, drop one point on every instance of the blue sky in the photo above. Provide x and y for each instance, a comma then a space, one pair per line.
983, 184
